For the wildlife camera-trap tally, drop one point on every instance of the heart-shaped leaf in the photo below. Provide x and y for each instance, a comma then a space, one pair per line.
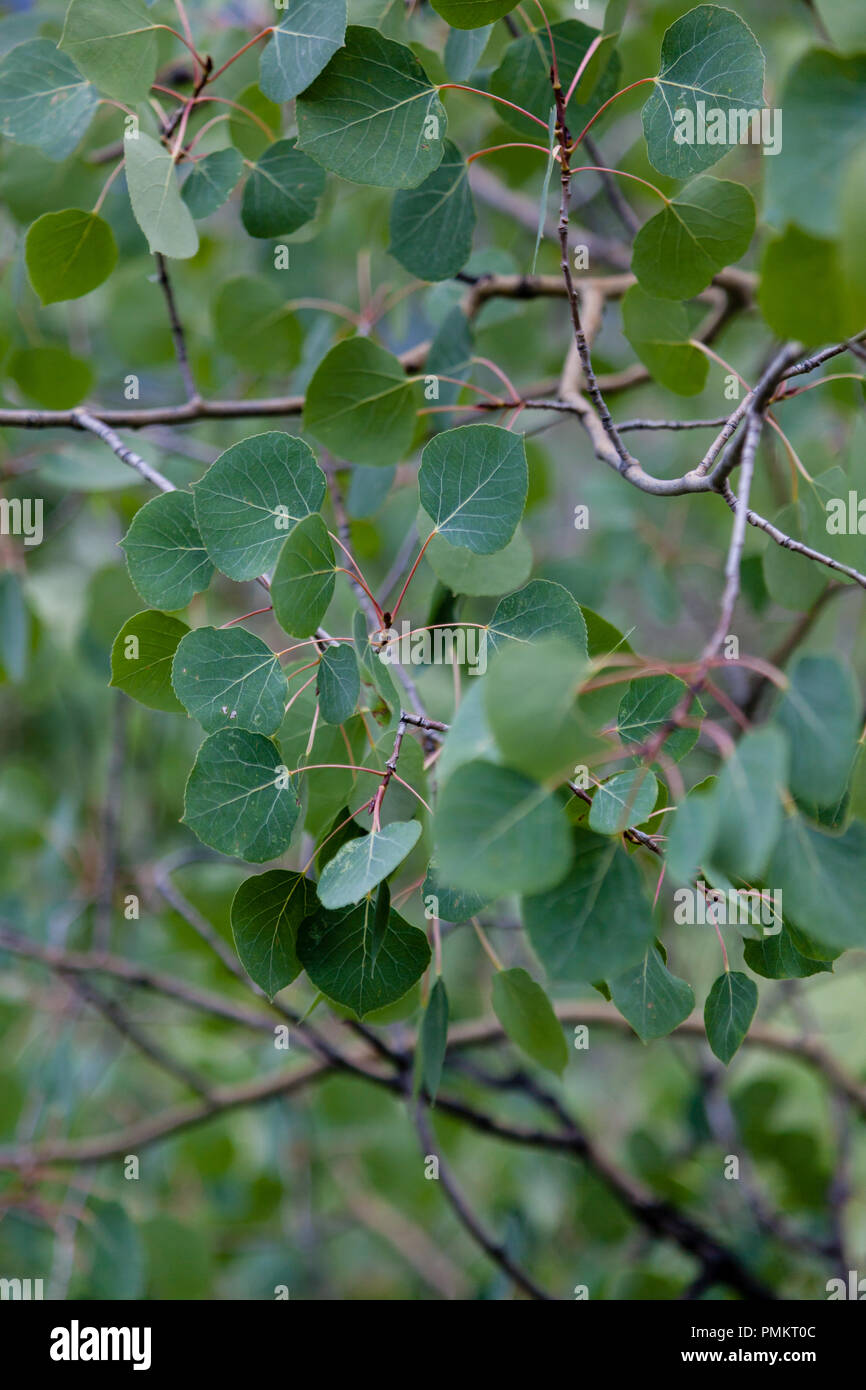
252, 497
44, 100
653, 1000
473, 482
240, 799
432, 225
373, 116
360, 404
707, 226
167, 561
335, 950
659, 331
68, 254
227, 678
711, 62
141, 658
267, 911
282, 191
113, 42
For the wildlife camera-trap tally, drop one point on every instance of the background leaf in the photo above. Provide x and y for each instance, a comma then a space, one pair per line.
359, 404
527, 1016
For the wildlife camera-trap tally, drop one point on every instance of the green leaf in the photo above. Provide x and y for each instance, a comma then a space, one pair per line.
360, 404
359, 865
339, 683
650, 998
432, 225
464, 572
473, 482
158, 208
252, 497
820, 713
530, 701
469, 737
112, 1251
301, 46
846, 24
822, 882
254, 325
463, 51
212, 179
852, 251
778, 958
624, 800
540, 609
113, 42
693, 831
227, 678
497, 832
44, 100
368, 488
51, 376
282, 192
248, 134
15, 628
68, 254
433, 1039
614, 18
527, 1016
141, 659
373, 116
471, 14
596, 922
334, 949
791, 580
303, 582
728, 1012
449, 904
239, 799
825, 123
646, 707
804, 292
523, 76
709, 55
708, 226
267, 911
167, 561
749, 810
659, 331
